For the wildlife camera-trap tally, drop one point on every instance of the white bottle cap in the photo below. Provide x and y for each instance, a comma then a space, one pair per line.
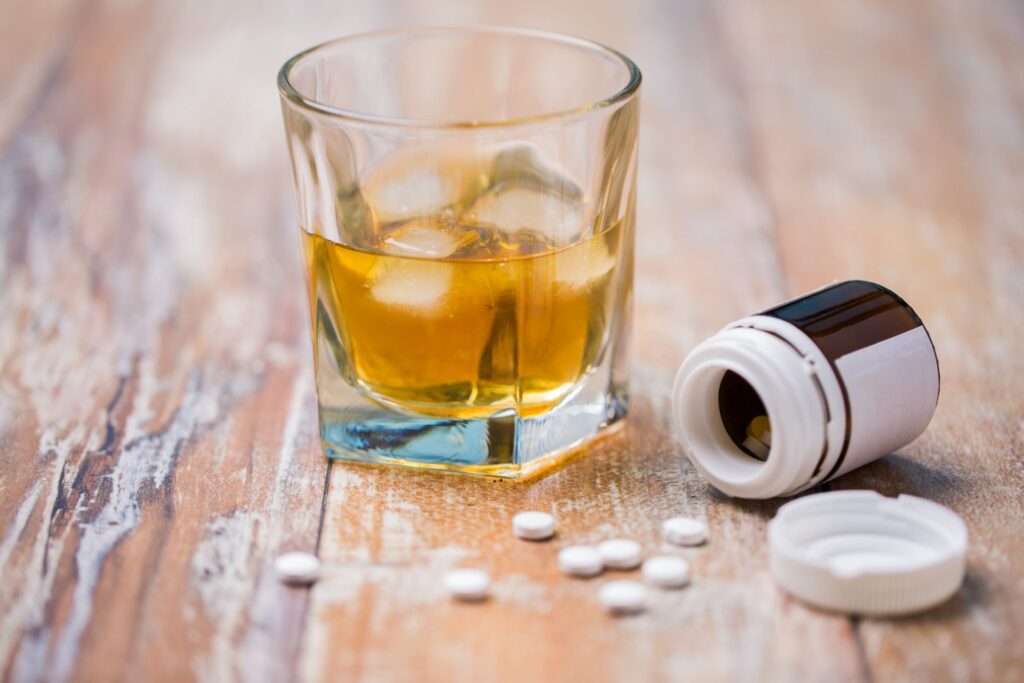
860, 552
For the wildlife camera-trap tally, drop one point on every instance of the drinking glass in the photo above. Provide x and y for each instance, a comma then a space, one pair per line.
466, 201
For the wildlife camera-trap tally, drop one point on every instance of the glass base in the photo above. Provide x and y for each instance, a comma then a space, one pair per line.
505, 446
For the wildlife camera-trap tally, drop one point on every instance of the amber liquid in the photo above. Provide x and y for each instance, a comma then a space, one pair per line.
505, 322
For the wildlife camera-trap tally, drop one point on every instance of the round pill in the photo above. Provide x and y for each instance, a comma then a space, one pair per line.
580, 560
467, 584
620, 553
667, 571
300, 569
533, 526
623, 597
684, 531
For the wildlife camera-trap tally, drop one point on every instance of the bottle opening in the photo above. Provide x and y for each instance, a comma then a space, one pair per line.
744, 416
748, 411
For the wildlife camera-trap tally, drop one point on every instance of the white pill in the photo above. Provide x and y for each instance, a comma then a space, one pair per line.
667, 571
580, 560
623, 597
533, 526
758, 448
684, 531
467, 584
620, 553
300, 569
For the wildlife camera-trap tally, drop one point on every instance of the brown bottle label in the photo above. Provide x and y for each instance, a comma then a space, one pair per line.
848, 316
883, 359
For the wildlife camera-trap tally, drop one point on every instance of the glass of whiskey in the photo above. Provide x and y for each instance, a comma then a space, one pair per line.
466, 201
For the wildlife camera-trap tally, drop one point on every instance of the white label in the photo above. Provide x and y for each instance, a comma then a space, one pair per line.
892, 387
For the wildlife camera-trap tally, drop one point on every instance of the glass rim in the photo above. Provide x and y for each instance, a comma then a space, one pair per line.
292, 94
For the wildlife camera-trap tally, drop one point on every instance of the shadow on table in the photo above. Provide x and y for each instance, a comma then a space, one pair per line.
895, 474
974, 594
890, 476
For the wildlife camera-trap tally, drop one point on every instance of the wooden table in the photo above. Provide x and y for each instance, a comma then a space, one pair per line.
157, 426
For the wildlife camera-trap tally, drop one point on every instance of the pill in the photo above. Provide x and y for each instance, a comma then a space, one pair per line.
533, 526
756, 448
684, 531
667, 571
761, 429
623, 597
580, 560
300, 569
467, 584
759, 437
620, 553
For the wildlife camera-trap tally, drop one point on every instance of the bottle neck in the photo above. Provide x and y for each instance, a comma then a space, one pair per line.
723, 383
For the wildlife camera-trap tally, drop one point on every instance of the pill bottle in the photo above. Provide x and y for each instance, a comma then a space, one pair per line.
783, 400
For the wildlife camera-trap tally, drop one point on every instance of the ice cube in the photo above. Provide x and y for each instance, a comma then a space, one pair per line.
583, 264
411, 283
425, 182
528, 194
425, 239
514, 208
522, 165
409, 278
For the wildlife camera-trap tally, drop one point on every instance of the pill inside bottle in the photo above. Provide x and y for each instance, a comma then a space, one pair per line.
744, 416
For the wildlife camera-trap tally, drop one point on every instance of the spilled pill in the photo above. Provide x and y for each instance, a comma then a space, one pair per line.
620, 553
684, 531
299, 569
580, 560
467, 584
667, 571
623, 597
533, 526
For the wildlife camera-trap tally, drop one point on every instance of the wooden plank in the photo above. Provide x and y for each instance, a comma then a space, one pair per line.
36, 39
157, 436
381, 613
800, 173
705, 227
902, 163
157, 408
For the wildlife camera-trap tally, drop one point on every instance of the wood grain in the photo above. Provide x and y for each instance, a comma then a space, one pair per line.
157, 416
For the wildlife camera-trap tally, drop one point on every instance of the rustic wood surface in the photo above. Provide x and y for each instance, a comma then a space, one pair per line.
157, 415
